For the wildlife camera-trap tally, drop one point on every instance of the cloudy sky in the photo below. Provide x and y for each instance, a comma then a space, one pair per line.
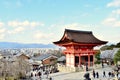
44, 21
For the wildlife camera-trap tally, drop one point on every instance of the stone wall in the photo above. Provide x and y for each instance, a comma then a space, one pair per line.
63, 68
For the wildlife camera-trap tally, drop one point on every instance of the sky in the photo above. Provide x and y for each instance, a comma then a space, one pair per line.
44, 21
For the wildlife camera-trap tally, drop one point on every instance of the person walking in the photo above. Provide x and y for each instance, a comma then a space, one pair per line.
112, 74
109, 74
102, 65
97, 74
86, 68
104, 75
39, 74
47, 73
93, 73
50, 78
87, 76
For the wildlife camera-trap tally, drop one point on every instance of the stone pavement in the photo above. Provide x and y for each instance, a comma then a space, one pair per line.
79, 75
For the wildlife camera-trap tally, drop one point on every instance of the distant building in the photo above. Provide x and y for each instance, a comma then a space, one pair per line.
108, 55
62, 60
23, 56
46, 59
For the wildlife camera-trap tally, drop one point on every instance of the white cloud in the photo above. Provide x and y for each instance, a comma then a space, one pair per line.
2, 30
13, 23
2, 36
109, 21
114, 22
71, 26
40, 37
116, 12
114, 17
33, 24
115, 3
1, 24
2, 33
117, 24
24, 23
19, 29
16, 30
113, 39
75, 26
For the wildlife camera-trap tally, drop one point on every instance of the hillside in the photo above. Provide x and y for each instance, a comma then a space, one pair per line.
23, 45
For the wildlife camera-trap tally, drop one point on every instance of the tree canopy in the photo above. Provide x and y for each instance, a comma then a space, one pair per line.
110, 47
117, 57
97, 56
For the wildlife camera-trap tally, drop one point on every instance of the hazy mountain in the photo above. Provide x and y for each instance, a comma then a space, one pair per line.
22, 45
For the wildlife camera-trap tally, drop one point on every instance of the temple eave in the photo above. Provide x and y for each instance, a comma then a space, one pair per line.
79, 43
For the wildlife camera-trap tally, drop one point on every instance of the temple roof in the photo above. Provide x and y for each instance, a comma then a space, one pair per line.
77, 36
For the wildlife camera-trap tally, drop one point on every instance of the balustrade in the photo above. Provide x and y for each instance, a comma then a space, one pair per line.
79, 51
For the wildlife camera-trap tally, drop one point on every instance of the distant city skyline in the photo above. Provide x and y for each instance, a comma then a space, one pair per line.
44, 21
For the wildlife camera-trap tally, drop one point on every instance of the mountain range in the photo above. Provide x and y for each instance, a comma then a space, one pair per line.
23, 45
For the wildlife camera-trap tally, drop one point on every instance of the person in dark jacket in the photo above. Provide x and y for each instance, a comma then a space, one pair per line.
86, 68
104, 75
109, 74
97, 74
87, 76
39, 74
93, 73
50, 78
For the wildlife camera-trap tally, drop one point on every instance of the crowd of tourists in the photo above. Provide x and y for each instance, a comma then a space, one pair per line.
95, 74
40, 73
110, 74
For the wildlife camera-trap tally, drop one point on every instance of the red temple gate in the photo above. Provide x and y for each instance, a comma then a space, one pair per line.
79, 47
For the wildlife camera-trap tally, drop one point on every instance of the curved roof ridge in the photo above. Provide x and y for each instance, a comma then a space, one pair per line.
79, 31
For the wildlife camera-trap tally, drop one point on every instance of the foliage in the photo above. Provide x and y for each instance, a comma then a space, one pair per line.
9, 68
58, 53
97, 56
97, 62
109, 47
117, 57
118, 44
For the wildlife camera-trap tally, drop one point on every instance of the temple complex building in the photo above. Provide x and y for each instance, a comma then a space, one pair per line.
79, 47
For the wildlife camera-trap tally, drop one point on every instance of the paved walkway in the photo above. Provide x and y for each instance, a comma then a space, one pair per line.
79, 75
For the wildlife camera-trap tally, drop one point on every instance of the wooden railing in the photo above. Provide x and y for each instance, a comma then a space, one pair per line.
79, 51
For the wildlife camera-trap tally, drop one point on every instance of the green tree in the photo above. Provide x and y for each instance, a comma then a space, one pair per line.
117, 57
108, 47
118, 44
97, 56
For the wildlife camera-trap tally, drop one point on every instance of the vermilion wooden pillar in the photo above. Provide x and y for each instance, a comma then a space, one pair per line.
88, 59
79, 60
93, 60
